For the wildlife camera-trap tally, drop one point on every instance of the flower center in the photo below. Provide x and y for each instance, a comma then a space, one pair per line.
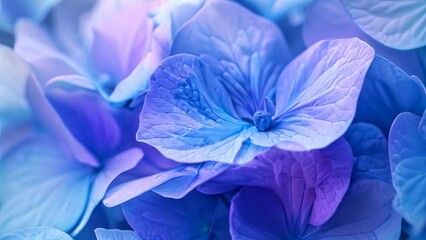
262, 120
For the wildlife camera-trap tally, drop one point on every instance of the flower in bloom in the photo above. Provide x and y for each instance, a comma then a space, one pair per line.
116, 47
230, 91
288, 195
408, 164
55, 171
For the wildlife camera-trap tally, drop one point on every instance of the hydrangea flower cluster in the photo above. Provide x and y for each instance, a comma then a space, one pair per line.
212, 119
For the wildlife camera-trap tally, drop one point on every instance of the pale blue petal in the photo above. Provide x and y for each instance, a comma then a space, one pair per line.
397, 24
181, 121
317, 95
36, 46
244, 52
174, 183
321, 24
115, 234
37, 233
365, 213
408, 162
42, 186
14, 74
370, 150
381, 98
113, 167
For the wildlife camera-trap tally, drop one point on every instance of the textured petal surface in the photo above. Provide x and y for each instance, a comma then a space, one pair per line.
321, 24
408, 162
30, 196
365, 213
115, 234
174, 183
317, 95
179, 119
39, 233
370, 150
245, 55
398, 24
310, 184
14, 74
381, 94
195, 216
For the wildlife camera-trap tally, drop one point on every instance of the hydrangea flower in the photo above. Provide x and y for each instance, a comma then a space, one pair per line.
45, 157
408, 165
228, 94
281, 202
91, 44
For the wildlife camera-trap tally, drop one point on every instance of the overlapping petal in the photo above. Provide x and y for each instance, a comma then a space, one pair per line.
408, 163
398, 24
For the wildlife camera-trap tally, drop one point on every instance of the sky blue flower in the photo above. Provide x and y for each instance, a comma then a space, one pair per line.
283, 206
50, 176
397, 24
228, 94
37, 233
408, 164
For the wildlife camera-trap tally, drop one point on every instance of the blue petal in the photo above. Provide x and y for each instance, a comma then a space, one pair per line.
397, 24
14, 74
11, 11
244, 53
381, 98
181, 121
408, 162
30, 196
38, 48
257, 213
370, 150
37, 233
365, 213
317, 95
115, 234
113, 167
174, 183
321, 24
276, 9
195, 216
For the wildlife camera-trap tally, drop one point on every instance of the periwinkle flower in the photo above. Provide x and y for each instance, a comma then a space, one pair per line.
116, 45
53, 172
202, 101
408, 164
302, 195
